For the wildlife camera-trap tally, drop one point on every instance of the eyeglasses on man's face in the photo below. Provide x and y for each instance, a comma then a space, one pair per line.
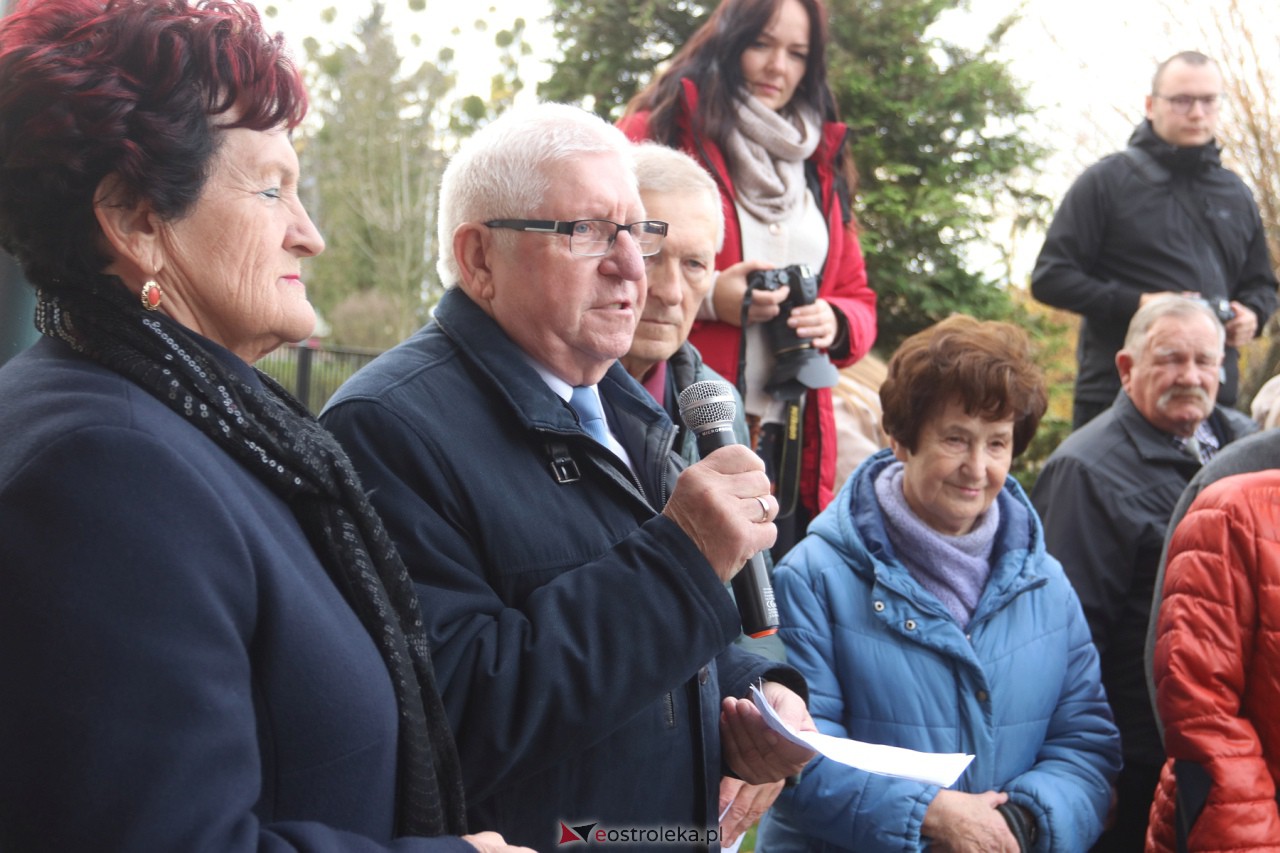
1182, 104
592, 237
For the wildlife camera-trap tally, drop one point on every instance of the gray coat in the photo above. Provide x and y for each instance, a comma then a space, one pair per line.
1106, 495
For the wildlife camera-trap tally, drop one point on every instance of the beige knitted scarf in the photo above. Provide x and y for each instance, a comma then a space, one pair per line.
766, 152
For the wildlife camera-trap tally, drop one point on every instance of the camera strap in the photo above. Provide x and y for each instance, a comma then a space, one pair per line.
788, 482
741, 384
780, 446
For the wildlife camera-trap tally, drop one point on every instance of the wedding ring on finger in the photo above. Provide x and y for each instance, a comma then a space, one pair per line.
764, 509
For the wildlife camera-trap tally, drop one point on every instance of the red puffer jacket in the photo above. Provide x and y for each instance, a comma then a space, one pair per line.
1217, 669
843, 285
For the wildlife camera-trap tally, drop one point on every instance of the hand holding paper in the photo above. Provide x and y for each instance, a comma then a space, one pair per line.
752, 747
934, 768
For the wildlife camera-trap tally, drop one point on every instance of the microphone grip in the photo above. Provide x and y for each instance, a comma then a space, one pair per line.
752, 588
753, 591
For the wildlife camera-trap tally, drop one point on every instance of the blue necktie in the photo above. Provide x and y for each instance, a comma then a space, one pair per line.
587, 405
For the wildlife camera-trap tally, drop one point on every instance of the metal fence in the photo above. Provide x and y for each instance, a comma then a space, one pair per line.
313, 372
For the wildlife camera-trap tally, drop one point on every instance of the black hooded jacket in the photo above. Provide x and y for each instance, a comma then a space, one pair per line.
1123, 230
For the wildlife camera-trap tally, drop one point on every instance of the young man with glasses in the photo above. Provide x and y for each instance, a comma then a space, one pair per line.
1164, 215
571, 575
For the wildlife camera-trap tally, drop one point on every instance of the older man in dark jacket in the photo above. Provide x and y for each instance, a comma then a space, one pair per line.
1106, 495
571, 576
674, 188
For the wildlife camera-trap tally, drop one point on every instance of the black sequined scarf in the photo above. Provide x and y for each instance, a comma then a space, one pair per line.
273, 436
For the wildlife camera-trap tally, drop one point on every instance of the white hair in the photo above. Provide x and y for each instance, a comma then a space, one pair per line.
660, 169
502, 171
1135, 340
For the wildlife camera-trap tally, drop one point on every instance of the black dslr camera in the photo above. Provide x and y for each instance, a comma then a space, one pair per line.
1219, 306
798, 366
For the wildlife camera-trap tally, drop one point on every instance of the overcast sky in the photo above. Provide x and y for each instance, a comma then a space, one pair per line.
1086, 63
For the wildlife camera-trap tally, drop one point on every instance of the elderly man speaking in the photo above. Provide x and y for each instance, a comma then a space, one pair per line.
571, 576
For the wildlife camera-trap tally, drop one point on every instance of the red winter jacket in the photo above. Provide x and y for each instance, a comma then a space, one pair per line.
1217, 669
844, 286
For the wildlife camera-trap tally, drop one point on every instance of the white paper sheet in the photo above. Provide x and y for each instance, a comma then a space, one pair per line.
930, 767
732, 848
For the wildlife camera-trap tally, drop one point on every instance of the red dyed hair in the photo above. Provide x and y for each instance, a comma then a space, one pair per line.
987, 366
137, 89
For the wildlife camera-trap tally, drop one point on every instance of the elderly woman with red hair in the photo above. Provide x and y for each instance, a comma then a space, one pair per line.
209, 642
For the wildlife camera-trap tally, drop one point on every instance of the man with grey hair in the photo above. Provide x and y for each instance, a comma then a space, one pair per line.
571, 575
675, 189
1106, 495
1162, 215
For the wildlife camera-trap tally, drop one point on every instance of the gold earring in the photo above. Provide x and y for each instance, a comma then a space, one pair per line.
151, 295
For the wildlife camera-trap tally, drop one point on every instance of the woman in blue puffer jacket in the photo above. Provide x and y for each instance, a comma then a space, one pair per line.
925, 613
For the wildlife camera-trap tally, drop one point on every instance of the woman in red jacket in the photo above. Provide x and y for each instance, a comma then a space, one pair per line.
748, 98
1217, 672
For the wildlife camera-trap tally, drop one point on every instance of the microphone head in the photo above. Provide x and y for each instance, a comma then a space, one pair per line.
707, 404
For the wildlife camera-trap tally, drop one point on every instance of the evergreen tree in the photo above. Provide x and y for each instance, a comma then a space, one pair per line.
941, 140
372, 169
610, 49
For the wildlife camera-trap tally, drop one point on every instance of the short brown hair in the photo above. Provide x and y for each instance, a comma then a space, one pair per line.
985, 365
1190, 57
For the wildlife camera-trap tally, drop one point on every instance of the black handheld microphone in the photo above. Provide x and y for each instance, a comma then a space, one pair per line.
707, 408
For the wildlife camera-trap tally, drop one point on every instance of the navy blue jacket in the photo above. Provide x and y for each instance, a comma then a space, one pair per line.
178, 670
581, 640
